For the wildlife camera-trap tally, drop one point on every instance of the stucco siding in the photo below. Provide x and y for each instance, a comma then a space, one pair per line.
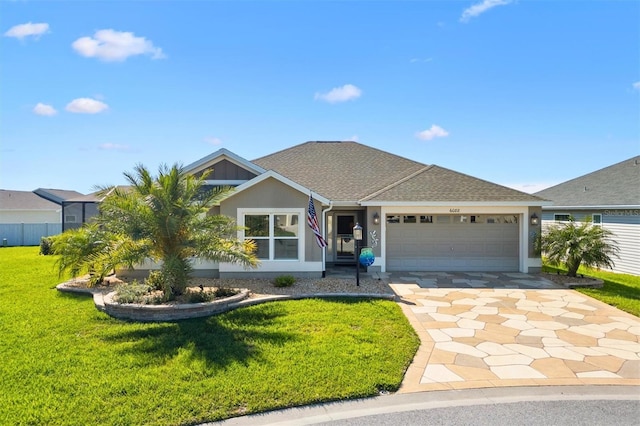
272, 195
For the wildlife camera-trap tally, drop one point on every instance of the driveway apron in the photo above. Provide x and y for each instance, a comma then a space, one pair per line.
481, 330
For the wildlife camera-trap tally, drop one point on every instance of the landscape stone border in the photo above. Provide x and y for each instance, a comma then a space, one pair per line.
103, 299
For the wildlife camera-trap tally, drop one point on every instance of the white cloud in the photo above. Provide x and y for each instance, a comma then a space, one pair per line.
44, 109
433, 132
27, 30
480, 8
113, 147
354, 138
340, 94
414, 60
213, 140
636, 85
110, 45
86, 106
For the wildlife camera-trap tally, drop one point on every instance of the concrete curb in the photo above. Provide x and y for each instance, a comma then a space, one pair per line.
397, 403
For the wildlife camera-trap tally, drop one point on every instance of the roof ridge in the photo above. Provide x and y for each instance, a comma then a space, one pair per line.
617, 166
404, 179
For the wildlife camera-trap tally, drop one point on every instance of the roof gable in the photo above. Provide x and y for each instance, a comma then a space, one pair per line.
275, 175
615, 185
226, 158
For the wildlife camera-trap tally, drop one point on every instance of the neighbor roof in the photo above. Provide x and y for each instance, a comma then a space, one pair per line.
351, 172
616, 185
57, 195
24, 200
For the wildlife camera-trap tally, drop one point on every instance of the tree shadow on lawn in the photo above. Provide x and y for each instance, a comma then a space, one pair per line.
218, 340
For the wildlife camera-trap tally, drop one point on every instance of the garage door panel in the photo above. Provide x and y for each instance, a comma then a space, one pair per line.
452, 246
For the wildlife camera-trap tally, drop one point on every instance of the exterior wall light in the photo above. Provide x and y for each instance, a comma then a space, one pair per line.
534, 220
376, 218
357, 235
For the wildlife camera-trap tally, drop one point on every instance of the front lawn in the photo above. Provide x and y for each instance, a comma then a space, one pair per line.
619, 290
64, 362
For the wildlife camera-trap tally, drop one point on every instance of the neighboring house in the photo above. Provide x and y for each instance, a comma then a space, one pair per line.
610, 197
78, 210
418, 217
26, 217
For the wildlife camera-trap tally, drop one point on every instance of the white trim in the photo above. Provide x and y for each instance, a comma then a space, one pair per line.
593, 219
456, 203
274, 266
275, 175
242, 212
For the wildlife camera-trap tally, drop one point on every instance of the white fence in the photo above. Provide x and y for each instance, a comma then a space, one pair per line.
27, 234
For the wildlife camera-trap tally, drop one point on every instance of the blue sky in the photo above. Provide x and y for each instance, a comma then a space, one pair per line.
521, 93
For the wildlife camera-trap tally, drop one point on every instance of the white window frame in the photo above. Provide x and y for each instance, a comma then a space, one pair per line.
271, 213
593, 219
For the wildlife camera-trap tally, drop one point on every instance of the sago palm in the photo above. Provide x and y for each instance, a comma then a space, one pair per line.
579, 243
165, 219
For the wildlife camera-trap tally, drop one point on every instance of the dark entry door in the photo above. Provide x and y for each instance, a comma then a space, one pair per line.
345, 245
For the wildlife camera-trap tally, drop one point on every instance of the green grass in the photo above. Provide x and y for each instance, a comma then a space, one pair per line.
64, 362
619, 290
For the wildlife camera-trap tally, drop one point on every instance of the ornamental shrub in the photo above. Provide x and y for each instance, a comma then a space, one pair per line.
284, 281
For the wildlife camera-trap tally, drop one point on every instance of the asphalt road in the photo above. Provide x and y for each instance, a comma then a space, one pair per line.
512, 406
559, 413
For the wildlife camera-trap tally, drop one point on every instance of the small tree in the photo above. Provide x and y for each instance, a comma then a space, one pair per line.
163, 218
579, 243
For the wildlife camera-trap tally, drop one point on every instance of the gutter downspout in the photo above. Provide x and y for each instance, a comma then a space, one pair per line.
324, 252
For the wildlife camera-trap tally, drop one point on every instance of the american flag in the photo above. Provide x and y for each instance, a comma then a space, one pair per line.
312, 221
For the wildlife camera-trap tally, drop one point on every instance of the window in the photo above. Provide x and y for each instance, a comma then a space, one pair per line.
426, 219
476, 219
276, 235
409, 219
70, 218
393, 218
597, 219
561, 217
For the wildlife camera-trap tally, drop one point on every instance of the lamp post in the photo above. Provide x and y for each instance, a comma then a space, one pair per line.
357, 236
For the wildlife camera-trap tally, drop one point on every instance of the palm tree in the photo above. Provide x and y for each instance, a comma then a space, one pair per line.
164, 219
574, 244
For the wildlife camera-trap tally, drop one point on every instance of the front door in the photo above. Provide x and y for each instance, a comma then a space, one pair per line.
345, 245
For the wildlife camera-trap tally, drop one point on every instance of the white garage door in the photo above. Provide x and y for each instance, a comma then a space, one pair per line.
452, 243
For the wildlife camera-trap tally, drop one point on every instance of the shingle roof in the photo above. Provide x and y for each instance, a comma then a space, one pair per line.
339, 171
57, 195
437, 184
351, 172
24, 200
616, 185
